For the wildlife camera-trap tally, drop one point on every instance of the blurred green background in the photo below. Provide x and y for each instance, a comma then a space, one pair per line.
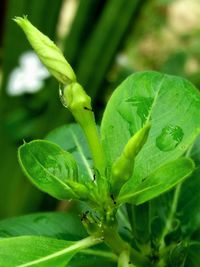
104, 41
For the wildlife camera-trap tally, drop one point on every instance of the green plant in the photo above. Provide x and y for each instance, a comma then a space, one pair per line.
122, 175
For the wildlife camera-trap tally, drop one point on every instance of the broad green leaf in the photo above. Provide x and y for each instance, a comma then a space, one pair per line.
66, 226
93, 257
172, 104
34, 251
40, 251
71, 138
161, 180
48, 167
139, 218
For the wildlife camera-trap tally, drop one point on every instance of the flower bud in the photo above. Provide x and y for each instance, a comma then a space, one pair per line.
122, 168
79, 103
49, 54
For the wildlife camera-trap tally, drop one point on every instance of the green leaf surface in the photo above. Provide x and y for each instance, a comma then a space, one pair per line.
48, 167
139, 218
40, 251
193, 257
66, 226
163, 179
93, 257
71, 138
34, 251
172, 104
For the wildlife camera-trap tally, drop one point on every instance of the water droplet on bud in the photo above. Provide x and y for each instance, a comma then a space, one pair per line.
62, 87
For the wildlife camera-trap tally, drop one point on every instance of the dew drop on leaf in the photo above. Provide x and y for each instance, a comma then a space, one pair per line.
127, 108
169, 138
143, 106
61, 94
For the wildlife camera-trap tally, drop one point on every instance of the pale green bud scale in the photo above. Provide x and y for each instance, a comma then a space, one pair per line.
49, 54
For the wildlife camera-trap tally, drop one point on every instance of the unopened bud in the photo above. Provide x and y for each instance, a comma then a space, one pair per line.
79, 103
49, 54
136, 142
122, 168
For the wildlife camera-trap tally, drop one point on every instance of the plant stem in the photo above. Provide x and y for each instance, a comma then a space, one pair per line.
117, 245
96, 149
108, 255
172, 212
74, 97
124, 259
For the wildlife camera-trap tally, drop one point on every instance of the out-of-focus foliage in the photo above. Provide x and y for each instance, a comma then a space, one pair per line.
166, 37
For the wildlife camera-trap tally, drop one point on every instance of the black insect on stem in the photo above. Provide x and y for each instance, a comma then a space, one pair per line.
84, 215
113, 199
87, 109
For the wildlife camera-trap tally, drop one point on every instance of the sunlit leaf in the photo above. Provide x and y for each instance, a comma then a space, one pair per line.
49, 167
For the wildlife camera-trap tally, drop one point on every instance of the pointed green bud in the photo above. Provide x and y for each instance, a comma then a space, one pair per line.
49, 54
122, 168
136, 142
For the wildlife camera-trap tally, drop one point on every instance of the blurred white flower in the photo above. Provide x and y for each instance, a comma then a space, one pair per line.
28, 77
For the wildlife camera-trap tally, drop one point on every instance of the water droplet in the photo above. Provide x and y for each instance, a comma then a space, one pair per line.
137, 104
61, 94
169, 138
143, 105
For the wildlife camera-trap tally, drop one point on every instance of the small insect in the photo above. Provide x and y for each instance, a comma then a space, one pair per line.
113, 199
87, 109
84, 215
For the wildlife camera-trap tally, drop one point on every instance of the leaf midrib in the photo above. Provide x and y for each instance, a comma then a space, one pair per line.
89, 241
50, 174
84, 159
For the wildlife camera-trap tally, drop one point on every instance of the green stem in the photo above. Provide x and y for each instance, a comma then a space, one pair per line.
168, 224
117, 245
78, 102
96, 149
124, 259
108, 255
